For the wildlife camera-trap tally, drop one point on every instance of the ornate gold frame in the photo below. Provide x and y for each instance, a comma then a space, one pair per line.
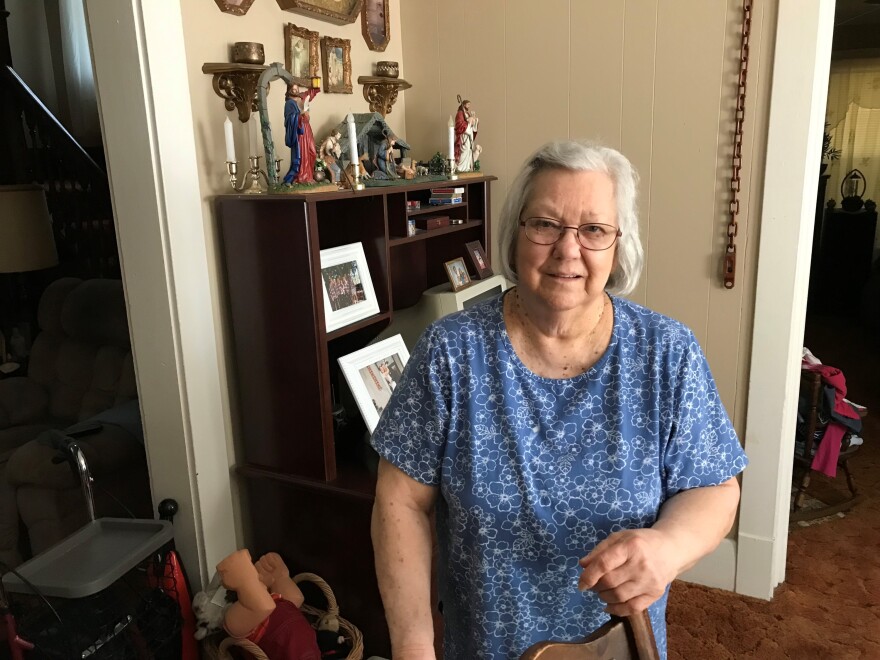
365, 26
237, 10
314, 9
345, 44
290, 31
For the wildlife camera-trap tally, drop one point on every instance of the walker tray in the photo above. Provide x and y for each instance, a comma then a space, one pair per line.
92, 558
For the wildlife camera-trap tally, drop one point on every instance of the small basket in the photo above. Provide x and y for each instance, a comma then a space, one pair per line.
315, 615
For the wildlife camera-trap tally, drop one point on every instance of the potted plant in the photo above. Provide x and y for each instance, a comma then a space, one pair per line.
829, 153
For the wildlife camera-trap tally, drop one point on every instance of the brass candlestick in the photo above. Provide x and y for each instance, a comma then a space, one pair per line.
452, 175
254, 171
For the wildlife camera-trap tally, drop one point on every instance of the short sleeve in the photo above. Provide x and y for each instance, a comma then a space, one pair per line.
702, 448
411, 433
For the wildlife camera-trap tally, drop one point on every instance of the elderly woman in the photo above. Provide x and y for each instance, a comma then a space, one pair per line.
571, 443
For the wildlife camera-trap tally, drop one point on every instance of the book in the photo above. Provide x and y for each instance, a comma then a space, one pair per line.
444, 195
435, 191
441, 202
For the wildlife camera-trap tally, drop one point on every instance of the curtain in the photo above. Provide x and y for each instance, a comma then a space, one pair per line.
78, 76
853, 115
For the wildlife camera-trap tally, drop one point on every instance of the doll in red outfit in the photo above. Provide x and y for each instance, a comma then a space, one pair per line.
267, 611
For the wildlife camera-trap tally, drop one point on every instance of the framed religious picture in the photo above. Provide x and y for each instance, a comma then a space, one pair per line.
479, 259
334, 11
457, 273
372, 373
235, 7
375, 24
348, 289
301, 54
336, 61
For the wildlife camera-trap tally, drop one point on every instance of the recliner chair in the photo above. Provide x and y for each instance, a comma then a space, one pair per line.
80, 368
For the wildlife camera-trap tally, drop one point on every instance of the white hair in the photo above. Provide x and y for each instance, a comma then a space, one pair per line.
579, 156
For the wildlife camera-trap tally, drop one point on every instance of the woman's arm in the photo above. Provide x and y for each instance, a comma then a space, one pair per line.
401, 531
631, 569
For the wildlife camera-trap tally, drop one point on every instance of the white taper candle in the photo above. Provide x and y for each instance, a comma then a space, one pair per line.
352, 143
451, 126
230, 142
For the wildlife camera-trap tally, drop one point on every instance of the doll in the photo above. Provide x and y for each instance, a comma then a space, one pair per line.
267, 611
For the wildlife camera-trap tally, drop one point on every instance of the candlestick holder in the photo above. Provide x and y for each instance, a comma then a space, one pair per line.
254, 171
452, 175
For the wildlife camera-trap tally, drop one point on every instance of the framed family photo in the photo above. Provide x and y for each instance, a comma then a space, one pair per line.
457, 273
348, 289
479, 259
301, 54
372, 373
336, 61
375, 24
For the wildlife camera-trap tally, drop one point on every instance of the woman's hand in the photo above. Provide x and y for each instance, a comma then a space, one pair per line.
630, 569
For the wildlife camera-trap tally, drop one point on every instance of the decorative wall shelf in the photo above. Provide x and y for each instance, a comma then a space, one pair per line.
381, 93
237, 85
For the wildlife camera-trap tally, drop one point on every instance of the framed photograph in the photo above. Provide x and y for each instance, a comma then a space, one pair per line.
334, 11
457, 273
336, 60
348, 289
375, 25
478, 259
235, 7
372, 373
301, 54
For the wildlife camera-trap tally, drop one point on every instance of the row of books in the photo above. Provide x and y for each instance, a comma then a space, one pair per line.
443, 196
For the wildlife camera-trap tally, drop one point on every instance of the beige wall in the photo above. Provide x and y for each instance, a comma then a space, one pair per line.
31, 51
655, 79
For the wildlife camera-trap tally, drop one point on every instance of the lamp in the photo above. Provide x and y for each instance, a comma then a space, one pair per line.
26, 240
852, 188
26, 244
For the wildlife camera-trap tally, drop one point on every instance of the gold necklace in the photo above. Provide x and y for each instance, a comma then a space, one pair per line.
522, 314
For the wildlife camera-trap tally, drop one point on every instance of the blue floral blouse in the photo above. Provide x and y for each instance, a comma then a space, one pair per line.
534, 472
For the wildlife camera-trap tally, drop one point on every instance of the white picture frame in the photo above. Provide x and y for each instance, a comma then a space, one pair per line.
372, 373
348, 289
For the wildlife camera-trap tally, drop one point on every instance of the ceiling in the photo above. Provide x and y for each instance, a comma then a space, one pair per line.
856, 12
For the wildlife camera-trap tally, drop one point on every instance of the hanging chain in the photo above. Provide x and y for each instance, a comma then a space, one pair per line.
736, 160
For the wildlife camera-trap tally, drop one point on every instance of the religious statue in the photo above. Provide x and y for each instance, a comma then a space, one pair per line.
467, 151
298, 134
331, 153
385, 158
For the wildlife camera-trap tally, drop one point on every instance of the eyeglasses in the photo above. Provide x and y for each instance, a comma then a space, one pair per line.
591, 236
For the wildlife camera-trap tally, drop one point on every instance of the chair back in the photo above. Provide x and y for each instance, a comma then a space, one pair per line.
622, 638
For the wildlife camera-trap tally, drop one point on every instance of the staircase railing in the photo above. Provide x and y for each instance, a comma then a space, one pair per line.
77, 189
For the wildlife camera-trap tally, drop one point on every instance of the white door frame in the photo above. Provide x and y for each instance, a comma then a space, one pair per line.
797, 114
146, 120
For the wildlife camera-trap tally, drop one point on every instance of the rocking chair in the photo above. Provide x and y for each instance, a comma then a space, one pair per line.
622, 638
812, 394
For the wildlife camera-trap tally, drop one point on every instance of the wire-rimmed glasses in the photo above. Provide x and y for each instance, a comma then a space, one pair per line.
591, 236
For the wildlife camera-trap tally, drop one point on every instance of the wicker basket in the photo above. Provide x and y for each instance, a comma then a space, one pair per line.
218, 647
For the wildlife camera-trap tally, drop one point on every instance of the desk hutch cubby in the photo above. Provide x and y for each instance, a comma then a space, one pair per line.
308, 492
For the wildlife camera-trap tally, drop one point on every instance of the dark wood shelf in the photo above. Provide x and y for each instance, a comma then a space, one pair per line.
438, 208
357, 325
427, 234
308, 483
350, 482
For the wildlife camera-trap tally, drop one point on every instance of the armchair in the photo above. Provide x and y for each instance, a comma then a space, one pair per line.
80, 368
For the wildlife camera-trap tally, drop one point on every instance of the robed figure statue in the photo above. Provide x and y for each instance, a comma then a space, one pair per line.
298, 134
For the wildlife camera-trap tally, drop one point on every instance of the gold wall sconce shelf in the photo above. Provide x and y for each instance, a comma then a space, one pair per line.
381, 92
237, 85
